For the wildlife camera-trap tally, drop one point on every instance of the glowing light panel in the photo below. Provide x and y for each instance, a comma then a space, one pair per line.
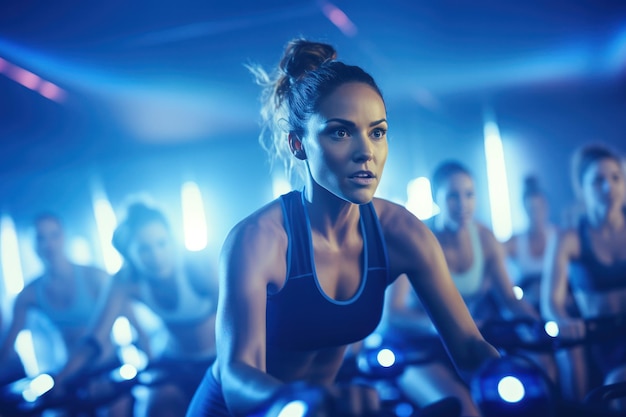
420, 199
280, 186
106, 223
194, 219
25, 349
10, 255
122, 332
498, 185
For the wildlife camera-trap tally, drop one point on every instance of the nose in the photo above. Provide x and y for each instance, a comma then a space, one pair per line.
363, 148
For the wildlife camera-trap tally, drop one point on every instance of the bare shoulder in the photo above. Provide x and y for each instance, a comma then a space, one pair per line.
258, 242
397, 221
408, 239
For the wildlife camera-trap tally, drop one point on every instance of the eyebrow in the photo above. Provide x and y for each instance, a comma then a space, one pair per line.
352, 124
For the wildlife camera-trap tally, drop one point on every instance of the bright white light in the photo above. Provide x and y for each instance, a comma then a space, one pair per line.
498, 185
386, 358
130, 355
420, 199
122, 332
25, 349
42, 384
519, 292
106, 223
80, 251
551, 328
128, 372
29, 395
295, 408
511, 389
280, 186
194, 219
10, 257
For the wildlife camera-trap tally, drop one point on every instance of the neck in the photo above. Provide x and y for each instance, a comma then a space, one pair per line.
452, 226
536, 228
330, 215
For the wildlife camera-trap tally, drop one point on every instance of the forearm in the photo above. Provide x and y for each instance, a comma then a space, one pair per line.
247, 389
476, 353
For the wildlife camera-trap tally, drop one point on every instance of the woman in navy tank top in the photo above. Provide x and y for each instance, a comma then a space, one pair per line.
590, 260
305, 276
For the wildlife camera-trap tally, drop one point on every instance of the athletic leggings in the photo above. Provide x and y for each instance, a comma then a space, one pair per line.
208, 401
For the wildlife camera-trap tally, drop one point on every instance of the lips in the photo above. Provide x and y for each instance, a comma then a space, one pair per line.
363, 175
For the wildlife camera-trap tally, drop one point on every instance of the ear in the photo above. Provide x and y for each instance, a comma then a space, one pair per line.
295, 144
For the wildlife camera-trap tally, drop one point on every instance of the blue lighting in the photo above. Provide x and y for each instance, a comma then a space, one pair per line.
194, 218
295, 408
10, 256
498, 185
511, 389
386, 358
106, 223
420, 199
25, 349
37, 387
551, 328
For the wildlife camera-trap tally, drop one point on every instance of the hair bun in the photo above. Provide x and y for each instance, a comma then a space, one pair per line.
302, 56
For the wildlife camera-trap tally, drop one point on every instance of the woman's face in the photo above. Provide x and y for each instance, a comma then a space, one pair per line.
457, 200
50, 241
603, 185
536, 208
152, 251
346, 142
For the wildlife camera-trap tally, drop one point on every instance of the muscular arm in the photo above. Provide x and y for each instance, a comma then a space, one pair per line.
400, 315
414, 250
248, 264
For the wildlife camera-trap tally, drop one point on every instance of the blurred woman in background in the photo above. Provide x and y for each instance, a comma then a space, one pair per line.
526, 249
177, 286
590, 260
477, 265
65, 294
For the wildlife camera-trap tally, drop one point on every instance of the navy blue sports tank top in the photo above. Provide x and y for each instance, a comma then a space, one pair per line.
589, 274
300, 316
